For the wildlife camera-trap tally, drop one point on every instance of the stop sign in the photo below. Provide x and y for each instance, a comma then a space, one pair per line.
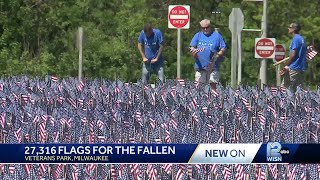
280, 52
265, 47
179, 17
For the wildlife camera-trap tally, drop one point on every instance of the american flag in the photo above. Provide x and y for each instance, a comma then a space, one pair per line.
152, 172
227, 171
74, 171
261, 172
90, 169
181, 172
273, 171
113, 172
240, 174
194, 50
59, 171
167, 168
311, 53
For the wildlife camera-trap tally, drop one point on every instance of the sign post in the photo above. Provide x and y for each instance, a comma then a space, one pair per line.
179, 18
236, 19
263, 63
280, 53
80, 39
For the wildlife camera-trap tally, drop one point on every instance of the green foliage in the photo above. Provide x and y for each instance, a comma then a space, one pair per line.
39, 37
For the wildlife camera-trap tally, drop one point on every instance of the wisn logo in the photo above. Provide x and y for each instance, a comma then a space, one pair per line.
275, 152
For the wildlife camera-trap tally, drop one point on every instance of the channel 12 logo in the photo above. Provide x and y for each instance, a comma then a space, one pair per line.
275, 152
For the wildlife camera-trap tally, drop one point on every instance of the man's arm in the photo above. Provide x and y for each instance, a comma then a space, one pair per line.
222, 47
193, 45
221, 52
141, 50
291, 58
155, 59
160, 51
287, 64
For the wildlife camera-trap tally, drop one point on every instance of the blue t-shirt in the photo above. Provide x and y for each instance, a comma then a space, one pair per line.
211, 44
298, 44
152, 44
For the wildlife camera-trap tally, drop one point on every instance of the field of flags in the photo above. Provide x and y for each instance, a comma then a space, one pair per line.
52, 110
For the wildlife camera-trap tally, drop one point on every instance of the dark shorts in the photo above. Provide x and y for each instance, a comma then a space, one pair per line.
293, 78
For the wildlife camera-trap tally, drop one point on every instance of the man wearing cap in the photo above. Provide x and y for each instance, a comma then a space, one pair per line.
296, 65
207, 46
150, 45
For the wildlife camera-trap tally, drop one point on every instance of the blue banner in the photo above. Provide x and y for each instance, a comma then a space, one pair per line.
272, 152
96, 153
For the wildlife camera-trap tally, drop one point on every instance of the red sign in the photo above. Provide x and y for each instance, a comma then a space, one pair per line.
265, 48
179, 16
280, 52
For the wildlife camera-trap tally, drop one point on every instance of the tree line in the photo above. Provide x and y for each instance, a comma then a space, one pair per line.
39, 37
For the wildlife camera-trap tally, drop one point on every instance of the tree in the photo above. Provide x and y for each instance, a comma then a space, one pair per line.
38, 37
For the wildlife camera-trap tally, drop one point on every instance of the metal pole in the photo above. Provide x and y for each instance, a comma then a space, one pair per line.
234, 56
263, 64
278, 75
234, 60
239, 59
179, 54
80, 38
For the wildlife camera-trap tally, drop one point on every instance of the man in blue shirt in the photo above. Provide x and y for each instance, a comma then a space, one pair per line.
207, 48
296, 65
150, 45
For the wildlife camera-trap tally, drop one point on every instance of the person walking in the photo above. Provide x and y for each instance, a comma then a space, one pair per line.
293, 72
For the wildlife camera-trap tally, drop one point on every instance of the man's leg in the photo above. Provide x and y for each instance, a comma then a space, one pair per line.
286, 80
296, 78
201, 76
197, 76
214, 79
160, 72
145, 73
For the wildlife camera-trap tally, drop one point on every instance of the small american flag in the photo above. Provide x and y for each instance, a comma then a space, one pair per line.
152, 172
167, 168
113, 172
227, 172
311, 53
54, 78
194, 50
